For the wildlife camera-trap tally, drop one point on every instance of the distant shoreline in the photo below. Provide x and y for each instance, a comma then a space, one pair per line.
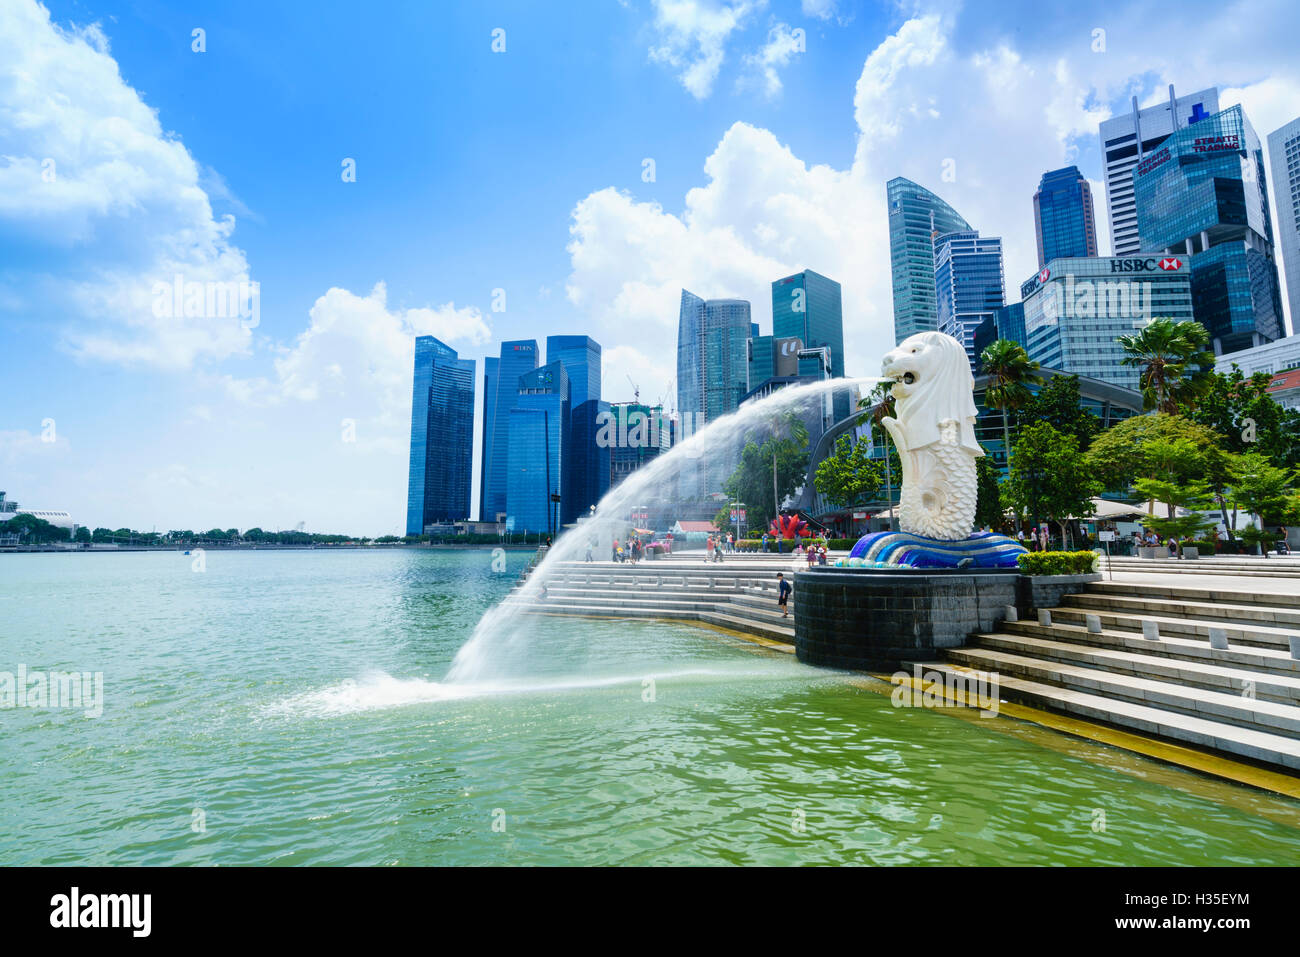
56, 549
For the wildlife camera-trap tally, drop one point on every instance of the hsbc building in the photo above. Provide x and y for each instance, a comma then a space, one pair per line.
1076, 309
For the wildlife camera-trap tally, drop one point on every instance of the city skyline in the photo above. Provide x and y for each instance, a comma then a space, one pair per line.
760, 168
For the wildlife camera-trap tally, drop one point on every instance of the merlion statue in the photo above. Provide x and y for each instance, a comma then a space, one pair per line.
934, 430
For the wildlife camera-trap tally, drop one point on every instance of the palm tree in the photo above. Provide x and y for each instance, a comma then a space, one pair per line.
1174, 361
880, 404
1011, 372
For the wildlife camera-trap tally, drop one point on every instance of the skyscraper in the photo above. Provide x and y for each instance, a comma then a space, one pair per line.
1075, 310
587, 470
517, 357
1063, 216
1284, 152
490, 378
442, 436
916, 216
1204, 194
712, 356
539, 430
1127, 139
968, 284
808, 306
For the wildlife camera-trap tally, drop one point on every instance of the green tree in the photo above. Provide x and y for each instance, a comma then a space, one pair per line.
1011, 372
879, 404
83, 534
786, 444
1049, 477
988, 494
33, 531
1175, 365
1247, 419
848, 476
1060, 405
1120, 455
1261, 489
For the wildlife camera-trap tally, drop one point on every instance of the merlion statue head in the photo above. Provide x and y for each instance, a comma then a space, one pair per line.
932, 384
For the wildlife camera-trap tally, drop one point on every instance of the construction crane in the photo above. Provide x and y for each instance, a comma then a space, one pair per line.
636, 391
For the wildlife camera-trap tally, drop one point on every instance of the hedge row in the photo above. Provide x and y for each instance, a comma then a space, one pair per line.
1057, 563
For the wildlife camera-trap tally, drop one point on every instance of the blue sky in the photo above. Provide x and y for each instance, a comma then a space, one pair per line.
476, 171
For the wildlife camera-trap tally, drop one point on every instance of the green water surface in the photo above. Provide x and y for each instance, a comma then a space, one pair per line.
290, 708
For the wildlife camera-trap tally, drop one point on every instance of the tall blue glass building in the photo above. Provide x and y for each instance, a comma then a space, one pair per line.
916, 216
539, 432
808, 306
968, 284
587, 470
712, 356
1064, 222
517, 357
1005, 323
1203, 194
442, 436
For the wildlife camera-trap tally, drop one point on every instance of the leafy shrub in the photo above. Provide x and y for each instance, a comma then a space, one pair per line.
840, 544
1057, 563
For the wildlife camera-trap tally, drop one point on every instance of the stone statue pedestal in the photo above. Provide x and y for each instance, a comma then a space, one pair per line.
906, 550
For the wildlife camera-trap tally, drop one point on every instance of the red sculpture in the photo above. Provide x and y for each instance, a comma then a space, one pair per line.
789, 526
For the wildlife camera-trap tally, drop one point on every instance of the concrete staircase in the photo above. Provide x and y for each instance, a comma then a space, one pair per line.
738, 594
1237, 566
1243, 700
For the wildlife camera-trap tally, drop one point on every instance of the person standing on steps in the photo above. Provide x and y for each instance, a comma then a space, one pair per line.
783, 594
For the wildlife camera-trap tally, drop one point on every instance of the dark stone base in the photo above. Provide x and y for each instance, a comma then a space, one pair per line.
875, 619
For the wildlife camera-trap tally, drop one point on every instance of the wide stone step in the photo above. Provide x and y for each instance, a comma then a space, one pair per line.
1235, 613
1282, 595
1256, 636
1269, 716
1188, 648
1201, 732
1267, 686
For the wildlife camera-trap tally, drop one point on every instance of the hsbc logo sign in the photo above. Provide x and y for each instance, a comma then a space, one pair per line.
1149, 264
1045, 275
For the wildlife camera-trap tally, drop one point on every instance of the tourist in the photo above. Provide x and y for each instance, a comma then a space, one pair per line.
765, 541
1172, 545
1020, 535
1282, 547
708, 549
1043, 539
783, 594
613, 551
812, 557
821, 556
590, 546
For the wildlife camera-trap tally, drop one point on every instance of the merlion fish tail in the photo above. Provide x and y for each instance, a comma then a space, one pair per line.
947, 499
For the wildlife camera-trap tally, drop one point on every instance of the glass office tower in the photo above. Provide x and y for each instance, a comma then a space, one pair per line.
587, 469
808, 306
442, 436
1126, 140
712, 356
968, 284
1284, 156
1204, 195
1063, 216
1076, 309
916, 216
517, 357
1005, 323
539, 430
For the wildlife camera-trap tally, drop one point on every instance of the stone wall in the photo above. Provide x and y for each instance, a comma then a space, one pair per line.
873, 620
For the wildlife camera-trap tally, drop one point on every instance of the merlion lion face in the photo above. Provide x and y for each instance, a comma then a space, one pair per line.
932, 384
